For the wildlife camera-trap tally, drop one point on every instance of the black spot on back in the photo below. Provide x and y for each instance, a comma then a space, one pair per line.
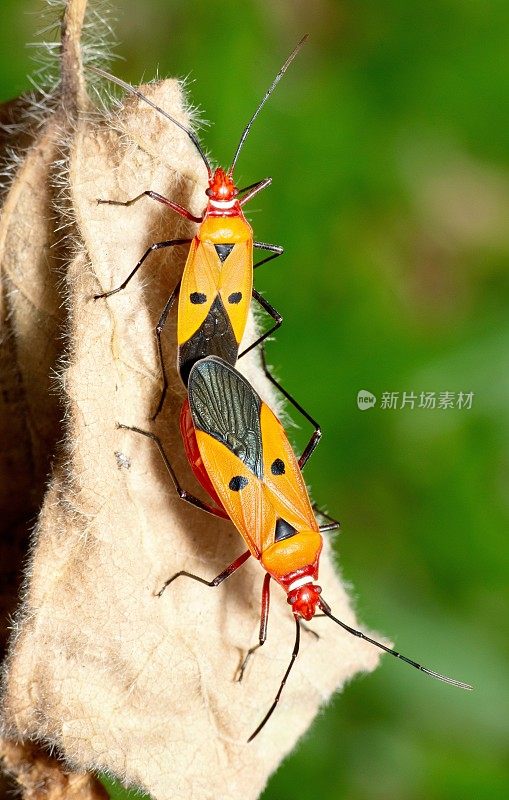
277, 467
237, 483
283, 530
197, 298
235, 297
223, 251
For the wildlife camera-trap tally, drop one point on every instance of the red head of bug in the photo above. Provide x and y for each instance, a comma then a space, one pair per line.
221, 186
222, 194
304, 600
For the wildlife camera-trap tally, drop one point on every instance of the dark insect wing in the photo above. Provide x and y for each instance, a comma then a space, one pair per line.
214, 336
225, 406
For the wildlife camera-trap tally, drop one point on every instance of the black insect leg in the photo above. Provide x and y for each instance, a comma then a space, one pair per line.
310, 447
276, 252
275, 249
183, 212
315, 438
272, 312
264, 618
317, 433
182, 493
156, 246
331, 525
233, 567
159, 329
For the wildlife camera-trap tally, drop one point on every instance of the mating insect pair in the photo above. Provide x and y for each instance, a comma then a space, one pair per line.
236, 446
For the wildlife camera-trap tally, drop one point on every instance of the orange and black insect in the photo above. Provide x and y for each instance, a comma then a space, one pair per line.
217, 283
240, 454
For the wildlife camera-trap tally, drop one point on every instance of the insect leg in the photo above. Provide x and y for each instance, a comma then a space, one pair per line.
182, 493
155, 196
233, 567
159, 329
317, 433
281, 687
272, 312
329, 526
264, 618
156, 246
332, 524
253, 189
310, 447
275, 249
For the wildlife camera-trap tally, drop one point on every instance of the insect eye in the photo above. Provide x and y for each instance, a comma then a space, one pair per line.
237, 483
277, 467
208, 191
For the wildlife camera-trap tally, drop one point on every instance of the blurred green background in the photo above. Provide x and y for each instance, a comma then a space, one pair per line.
388, 144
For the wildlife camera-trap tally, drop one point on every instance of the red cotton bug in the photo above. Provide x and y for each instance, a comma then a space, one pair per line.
217, 282
240, 454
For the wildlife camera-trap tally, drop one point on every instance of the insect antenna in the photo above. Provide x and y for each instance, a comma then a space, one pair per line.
132, 90
325, 608
271, 710
265, 98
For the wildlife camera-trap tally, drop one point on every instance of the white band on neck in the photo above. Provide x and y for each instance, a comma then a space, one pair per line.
222, 203
300, 582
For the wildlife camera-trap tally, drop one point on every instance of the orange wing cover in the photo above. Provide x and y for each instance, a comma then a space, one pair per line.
247, 455
209, 273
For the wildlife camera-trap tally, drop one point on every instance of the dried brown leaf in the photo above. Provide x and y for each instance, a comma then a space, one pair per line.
111, 675
42, 777
32, 316
33, 251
